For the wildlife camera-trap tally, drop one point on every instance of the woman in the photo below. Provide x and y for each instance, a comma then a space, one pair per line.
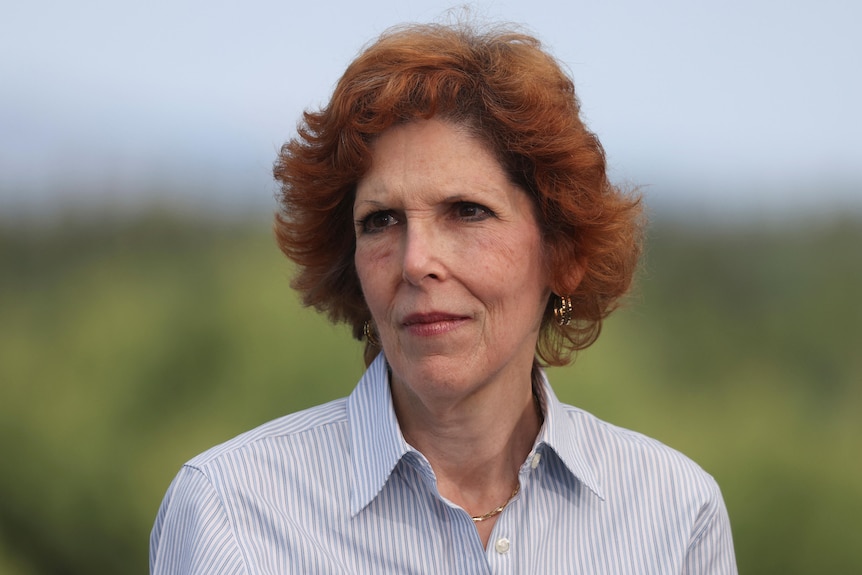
451, 207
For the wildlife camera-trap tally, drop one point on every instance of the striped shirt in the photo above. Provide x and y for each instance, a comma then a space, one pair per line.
337, 489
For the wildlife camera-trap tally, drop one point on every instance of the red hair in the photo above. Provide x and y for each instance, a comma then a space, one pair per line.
510, 94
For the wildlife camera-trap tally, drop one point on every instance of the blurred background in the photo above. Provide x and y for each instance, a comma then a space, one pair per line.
145, 312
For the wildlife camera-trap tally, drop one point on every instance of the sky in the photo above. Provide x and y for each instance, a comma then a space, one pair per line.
728, 107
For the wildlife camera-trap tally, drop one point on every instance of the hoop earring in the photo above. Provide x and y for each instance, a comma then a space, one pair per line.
370, 335
563, 310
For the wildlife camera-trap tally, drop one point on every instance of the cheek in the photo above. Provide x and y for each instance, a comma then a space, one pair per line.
514, 258
509, 282
371, 262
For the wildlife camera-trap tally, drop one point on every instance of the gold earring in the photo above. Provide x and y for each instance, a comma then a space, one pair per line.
370, 335
563, 310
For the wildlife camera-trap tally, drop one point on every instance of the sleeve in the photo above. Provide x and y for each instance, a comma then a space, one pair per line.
711, 549
192, 534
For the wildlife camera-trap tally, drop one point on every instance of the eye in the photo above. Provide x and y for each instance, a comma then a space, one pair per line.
377, 222
471, 212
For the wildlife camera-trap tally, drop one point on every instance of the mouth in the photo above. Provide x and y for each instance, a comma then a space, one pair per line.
433, 323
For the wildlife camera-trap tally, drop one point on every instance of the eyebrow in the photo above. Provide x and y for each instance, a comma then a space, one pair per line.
375, 203
366, 206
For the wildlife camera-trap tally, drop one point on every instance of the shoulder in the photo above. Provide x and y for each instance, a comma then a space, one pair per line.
629, 459
325, 423
234, 482
648, 492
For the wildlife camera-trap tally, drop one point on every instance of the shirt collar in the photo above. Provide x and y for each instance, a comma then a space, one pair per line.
376, 442
377, 445
562, 433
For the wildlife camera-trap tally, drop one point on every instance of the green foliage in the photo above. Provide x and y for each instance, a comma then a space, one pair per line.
127, 348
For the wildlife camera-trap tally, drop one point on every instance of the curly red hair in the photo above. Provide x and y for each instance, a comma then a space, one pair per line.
512, 95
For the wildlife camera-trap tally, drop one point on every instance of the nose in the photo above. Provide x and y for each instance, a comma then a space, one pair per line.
423, 254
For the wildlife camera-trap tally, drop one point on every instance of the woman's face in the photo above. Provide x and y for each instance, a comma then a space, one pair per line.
449, 255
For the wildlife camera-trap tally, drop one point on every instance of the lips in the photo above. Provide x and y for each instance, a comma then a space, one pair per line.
432, 317
432, 323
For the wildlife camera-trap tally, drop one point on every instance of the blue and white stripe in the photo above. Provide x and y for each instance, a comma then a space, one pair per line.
336, 489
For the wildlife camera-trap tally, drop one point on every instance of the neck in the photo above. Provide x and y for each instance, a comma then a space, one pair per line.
475, 444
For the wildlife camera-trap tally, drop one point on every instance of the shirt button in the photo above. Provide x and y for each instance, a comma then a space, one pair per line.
536, 458
501, 545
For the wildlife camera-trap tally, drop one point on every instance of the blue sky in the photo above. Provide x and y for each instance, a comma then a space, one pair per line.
714, 106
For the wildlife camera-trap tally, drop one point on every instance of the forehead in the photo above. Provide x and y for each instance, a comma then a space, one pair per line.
431, 153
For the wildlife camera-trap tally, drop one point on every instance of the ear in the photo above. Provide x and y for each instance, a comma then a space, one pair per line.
568, 280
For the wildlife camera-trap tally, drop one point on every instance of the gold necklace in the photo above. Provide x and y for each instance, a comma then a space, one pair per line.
498, 510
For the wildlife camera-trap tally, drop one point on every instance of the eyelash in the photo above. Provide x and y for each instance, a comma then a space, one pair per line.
482, 213
364, 224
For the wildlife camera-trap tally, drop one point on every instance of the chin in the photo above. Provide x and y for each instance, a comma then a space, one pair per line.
438, 370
